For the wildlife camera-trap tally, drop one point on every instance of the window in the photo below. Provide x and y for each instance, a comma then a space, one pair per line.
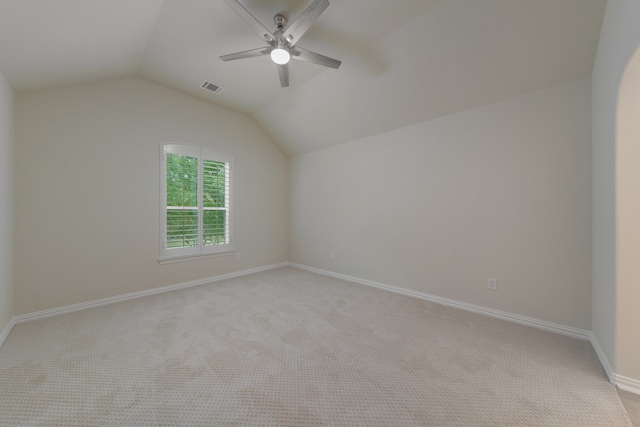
196, 201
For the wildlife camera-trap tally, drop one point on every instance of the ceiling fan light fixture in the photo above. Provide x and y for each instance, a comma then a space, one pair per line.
280, 54
281, 44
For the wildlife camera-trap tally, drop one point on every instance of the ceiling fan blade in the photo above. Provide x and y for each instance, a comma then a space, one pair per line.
283, 72
294, 32
261, 51
313, 57
243, 13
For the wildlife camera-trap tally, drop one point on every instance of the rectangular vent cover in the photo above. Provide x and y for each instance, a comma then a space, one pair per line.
212, 87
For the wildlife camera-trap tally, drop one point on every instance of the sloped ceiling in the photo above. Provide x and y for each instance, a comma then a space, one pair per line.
47, 43
404, 61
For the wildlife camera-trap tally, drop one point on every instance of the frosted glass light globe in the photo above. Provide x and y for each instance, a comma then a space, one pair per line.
280, 56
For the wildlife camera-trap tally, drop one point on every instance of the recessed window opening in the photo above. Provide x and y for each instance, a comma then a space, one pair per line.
196, 201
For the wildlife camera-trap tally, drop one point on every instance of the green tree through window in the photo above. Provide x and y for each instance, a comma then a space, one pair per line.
182, 201
215, 201
197, 200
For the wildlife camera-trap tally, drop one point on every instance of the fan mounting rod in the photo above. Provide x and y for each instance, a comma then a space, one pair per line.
280, 21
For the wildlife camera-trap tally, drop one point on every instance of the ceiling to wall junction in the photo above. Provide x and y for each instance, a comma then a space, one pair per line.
403, 62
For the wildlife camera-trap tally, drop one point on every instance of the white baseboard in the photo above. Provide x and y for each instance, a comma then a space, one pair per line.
604, 361
529, 321
110, 300
626, 383
7, 329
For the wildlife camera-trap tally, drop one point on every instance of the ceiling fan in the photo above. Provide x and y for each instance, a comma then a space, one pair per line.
281, 44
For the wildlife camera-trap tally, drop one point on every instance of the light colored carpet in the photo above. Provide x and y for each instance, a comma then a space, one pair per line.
631, 403
287, 347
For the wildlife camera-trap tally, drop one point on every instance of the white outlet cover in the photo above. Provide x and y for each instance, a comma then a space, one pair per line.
492, 284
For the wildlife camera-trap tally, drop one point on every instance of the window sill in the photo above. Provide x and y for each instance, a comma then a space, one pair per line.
193, 257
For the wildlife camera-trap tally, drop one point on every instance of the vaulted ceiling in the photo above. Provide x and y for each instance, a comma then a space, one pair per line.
403, 61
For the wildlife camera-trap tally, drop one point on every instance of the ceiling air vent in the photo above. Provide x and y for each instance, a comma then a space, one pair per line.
211, 86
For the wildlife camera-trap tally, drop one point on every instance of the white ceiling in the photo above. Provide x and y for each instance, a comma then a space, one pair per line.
403, 61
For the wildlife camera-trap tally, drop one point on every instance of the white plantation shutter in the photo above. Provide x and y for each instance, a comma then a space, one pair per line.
215, 216
216, 201
196, 201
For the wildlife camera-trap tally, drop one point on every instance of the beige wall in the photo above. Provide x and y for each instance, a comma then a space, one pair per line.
616, 293
628, 223
87, 190
6, 202
499, 191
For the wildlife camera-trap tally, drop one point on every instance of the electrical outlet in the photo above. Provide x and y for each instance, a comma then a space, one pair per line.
492, 284
332, 255
238, 256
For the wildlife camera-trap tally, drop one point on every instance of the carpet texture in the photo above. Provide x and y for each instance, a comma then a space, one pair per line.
291, 348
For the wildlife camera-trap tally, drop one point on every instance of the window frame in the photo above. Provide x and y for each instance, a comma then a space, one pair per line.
202, 152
